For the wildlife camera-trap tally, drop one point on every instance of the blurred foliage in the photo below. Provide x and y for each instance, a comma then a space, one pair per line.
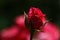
12, 8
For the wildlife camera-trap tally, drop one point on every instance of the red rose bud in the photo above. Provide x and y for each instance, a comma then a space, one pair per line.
36, 18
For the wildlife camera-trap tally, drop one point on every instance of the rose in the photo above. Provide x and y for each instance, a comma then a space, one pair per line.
19, 31
36, 18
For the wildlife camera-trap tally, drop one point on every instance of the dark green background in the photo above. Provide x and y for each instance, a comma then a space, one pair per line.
11, 8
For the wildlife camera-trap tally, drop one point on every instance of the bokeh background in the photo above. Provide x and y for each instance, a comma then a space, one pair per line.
9, 9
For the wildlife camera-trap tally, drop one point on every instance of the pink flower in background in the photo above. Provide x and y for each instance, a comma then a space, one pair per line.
19, 21
9, 33
50, 32
18, 31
